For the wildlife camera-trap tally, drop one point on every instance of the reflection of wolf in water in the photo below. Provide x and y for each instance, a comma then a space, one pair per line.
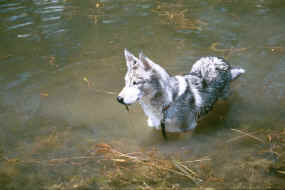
176, 102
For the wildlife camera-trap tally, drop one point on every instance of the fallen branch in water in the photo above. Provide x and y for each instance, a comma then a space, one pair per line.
249, 135
200, 160
238, 137
186, 171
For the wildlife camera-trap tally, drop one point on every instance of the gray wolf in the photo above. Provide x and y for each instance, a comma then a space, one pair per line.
175, 103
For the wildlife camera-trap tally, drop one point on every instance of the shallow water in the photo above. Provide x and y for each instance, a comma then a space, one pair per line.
62, 65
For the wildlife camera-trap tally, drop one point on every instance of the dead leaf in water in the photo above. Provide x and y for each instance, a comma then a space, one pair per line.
98, 5
118, 160
13, 160
277, 49
86, 80
45, 94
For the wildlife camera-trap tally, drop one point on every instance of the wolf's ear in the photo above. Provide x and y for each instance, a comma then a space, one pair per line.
128, 55
130, 58
145, 61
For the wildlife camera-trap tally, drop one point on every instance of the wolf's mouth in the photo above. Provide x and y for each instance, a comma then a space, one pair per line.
127, 107
121, 100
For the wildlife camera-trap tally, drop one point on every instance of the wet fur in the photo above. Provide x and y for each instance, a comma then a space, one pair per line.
187, 97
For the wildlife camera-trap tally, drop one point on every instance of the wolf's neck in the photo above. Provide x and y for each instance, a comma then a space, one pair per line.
161, 97
153, 105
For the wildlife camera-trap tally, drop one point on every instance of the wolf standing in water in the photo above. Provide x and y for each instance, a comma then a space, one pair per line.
175, 103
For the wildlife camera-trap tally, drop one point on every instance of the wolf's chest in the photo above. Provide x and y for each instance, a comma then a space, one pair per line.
152, 111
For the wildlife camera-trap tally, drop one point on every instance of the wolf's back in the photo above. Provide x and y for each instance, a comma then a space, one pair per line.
212, 67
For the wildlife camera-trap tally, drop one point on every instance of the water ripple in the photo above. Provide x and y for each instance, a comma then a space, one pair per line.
51, 18
6, 10
16, 17
19, 25
9, 5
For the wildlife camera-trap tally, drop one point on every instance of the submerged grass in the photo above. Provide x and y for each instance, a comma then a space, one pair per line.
146, 170
117, 166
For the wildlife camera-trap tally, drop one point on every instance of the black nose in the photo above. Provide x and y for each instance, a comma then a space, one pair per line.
120, 99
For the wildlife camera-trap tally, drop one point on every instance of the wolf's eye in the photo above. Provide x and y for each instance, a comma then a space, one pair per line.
138, 82
135, 61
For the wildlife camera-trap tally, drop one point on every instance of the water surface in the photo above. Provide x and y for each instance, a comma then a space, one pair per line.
62, 65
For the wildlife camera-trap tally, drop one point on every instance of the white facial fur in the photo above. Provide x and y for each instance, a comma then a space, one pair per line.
130, 94
135, 78
139, 74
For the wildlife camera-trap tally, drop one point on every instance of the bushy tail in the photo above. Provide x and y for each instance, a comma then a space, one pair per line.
236, 72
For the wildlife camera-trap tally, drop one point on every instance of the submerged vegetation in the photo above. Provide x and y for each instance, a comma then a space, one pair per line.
114, 166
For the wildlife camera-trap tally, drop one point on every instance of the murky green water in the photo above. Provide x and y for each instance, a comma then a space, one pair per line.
62, 64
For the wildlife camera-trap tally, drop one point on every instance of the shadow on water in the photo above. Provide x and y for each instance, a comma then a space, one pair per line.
62, 66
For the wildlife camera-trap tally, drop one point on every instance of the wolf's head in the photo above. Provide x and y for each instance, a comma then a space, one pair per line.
142, 78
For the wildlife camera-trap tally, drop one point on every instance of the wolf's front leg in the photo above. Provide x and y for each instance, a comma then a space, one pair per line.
153, 122
192, 123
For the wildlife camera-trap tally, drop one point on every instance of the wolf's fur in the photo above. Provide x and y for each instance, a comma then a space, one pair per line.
186, 97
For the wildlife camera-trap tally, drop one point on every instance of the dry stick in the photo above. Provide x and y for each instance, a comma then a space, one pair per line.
200, 160
128, 156
249, 135
55, 160
187, 172
181, 173
65, 159
238, 137
106, 92
186, 168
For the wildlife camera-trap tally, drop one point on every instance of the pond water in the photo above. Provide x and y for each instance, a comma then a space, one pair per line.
62, 65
